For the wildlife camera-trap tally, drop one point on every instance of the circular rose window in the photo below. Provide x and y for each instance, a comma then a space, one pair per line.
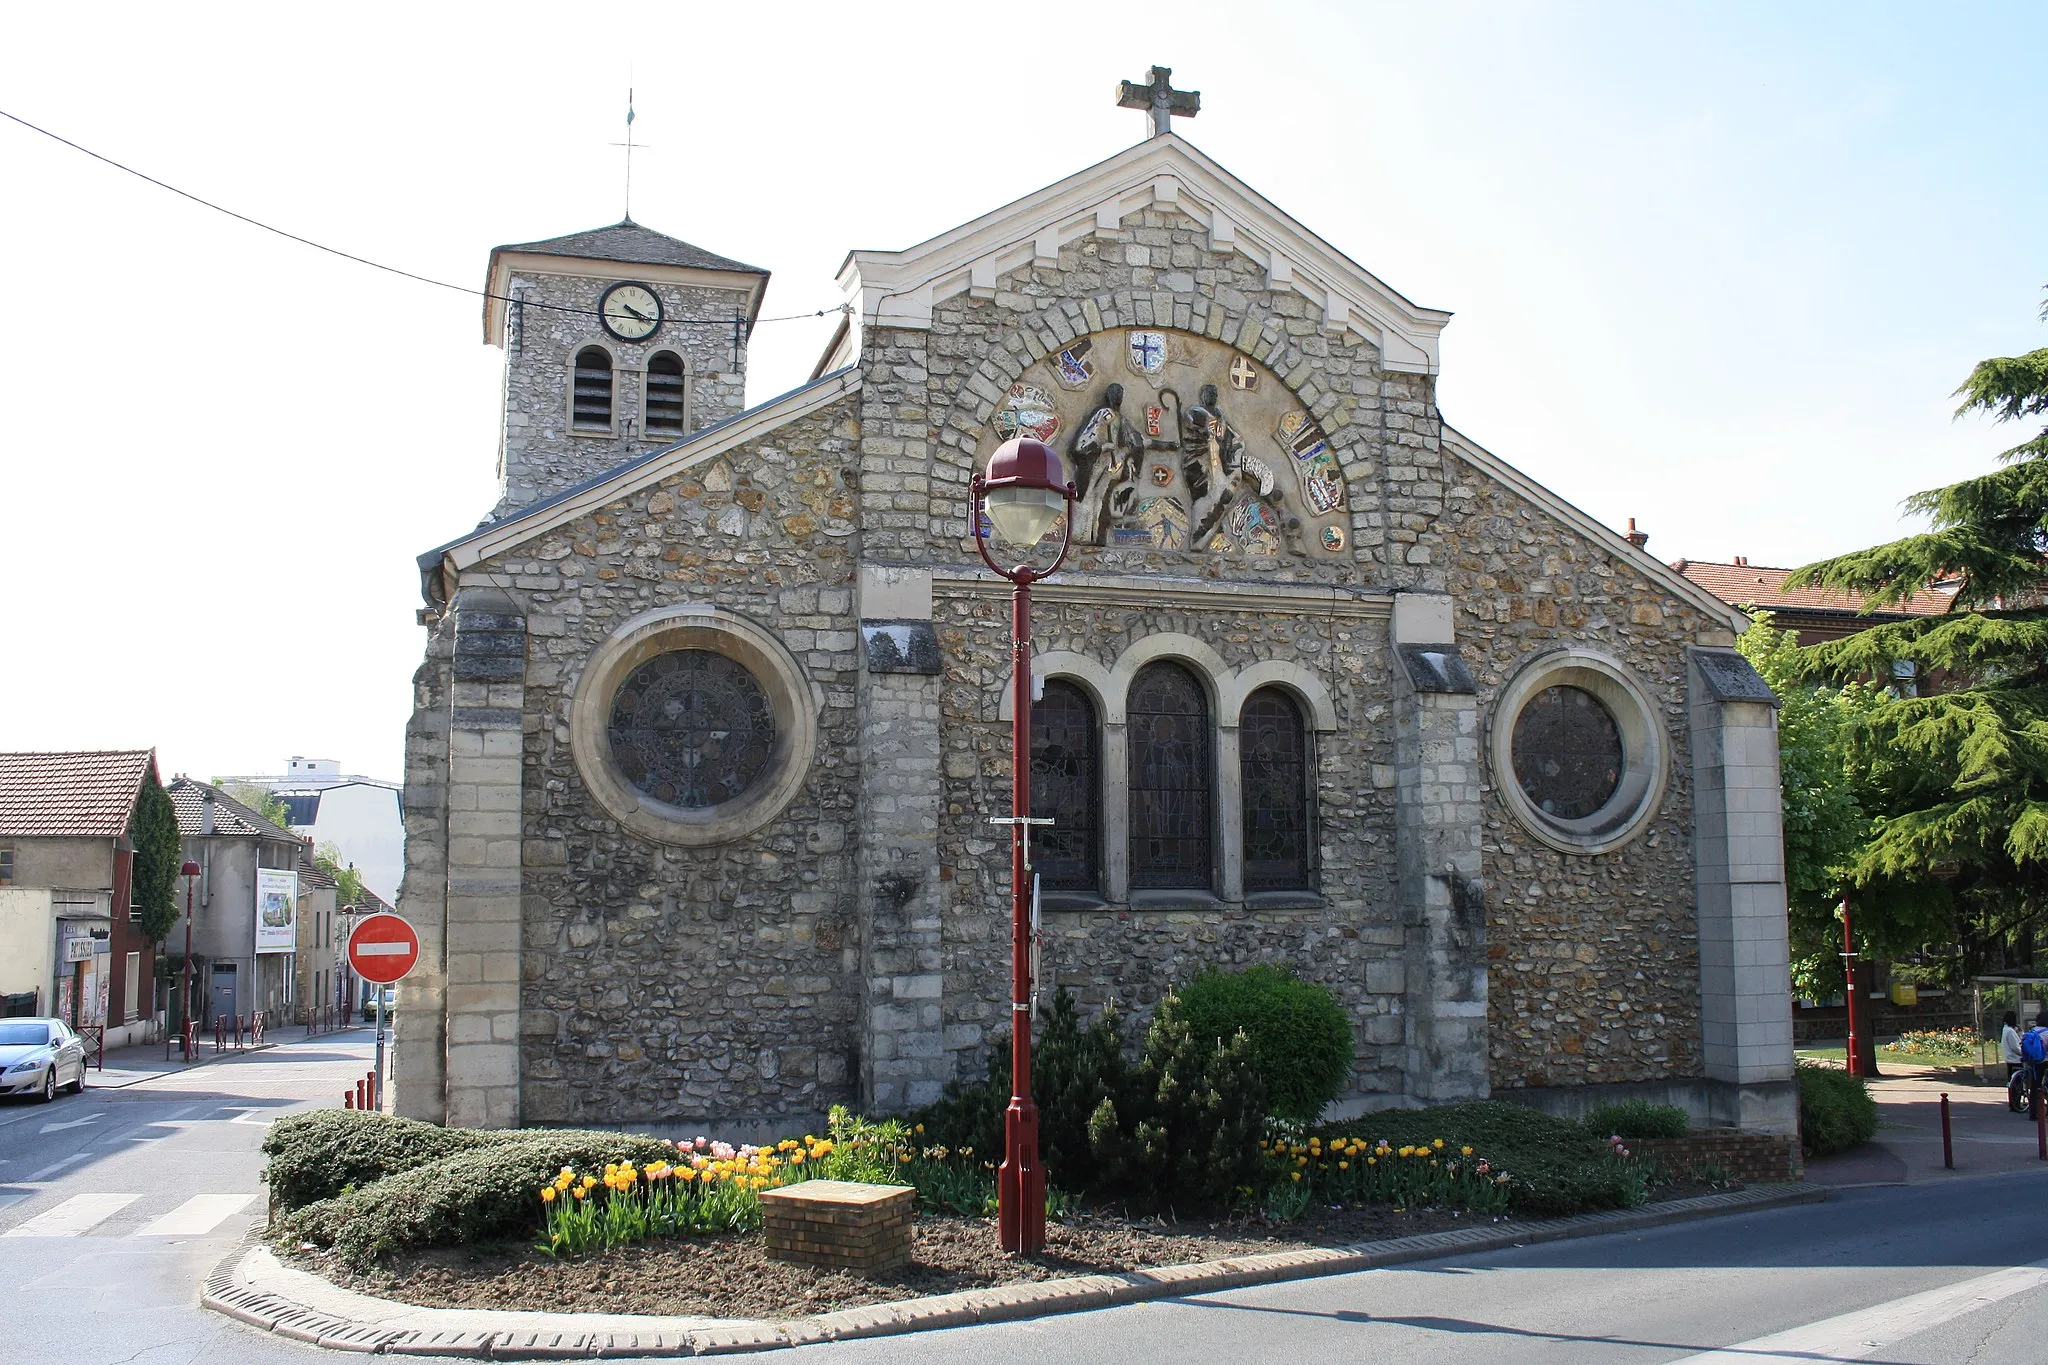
1579, 750
1567, 752
691, 728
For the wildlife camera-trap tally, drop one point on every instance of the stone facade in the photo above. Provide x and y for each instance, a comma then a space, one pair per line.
848, 940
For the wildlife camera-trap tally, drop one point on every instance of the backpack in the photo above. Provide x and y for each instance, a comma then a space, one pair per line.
2034, 1045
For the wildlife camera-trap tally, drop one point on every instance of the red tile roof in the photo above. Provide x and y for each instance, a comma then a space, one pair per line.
1755, 585
76, 795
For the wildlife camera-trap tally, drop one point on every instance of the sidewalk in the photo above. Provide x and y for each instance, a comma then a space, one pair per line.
126, 1066
1989, 1139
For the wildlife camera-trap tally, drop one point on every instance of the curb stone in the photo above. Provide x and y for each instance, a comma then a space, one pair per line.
277, 1313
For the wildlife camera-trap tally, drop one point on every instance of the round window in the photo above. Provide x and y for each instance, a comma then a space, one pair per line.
1578, 750
1567, 752
691, 729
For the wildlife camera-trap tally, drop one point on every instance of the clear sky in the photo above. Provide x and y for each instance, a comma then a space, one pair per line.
1714, 266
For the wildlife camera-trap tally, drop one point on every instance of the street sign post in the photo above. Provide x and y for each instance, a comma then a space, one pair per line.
382, 949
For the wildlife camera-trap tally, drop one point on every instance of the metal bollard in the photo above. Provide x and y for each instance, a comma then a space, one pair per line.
2040, 1127
1948, 1146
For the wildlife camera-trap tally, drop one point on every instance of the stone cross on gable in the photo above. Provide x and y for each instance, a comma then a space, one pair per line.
1161, 99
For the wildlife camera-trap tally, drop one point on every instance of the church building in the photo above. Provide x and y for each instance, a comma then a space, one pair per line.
714, 713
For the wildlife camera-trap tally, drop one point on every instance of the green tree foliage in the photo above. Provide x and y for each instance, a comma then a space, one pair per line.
348, 882
1825, 822
158, 856
1300, 1036
261, 800
1957, 781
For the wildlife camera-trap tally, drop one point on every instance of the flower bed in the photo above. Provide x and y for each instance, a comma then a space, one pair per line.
1948, 1045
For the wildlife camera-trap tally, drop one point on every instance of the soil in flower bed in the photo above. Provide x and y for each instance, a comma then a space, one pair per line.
730, 1276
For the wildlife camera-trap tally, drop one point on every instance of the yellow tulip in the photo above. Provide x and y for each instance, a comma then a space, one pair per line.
547, 1194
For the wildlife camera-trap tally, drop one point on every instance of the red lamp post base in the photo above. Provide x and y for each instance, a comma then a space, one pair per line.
1020, 1182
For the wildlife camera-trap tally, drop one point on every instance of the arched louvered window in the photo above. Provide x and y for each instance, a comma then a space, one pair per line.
1066, 785
1274, 780
665, 395
1171, 781
590, 406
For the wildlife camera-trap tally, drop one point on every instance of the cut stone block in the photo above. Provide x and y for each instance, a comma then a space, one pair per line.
839, 1224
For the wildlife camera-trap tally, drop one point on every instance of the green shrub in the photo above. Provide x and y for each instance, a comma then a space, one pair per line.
317, 1155
1835, 1110
1637, 1119
1185, 1133
1556, 1167
1300, 1037
1179, 1130
484, 1194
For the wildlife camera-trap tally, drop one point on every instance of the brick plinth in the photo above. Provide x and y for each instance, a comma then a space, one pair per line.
1754, 1158
839, 1224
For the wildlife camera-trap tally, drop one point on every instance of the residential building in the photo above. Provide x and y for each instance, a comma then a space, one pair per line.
68, 942
245, 923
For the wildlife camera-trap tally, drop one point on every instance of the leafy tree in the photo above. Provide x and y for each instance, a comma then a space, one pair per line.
1825, 822
1957, 786
158, 856
348, 881
263, 801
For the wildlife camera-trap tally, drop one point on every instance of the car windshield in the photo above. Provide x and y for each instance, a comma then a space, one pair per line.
24, 1035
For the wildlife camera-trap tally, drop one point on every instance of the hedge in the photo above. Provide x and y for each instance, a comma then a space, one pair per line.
318, 1155
484, 1194
1557, 1166
1835, 1111
1637, 1119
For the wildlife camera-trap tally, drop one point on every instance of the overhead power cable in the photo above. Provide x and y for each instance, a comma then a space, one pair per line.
364, 260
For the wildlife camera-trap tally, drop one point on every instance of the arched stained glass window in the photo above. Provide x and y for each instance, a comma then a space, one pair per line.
590, 405
1066, 785
1171, 780
1274, 779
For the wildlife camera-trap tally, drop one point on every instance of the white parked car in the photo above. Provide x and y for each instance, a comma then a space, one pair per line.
38, 1055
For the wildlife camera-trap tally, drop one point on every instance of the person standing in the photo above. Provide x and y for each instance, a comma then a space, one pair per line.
2009, 1045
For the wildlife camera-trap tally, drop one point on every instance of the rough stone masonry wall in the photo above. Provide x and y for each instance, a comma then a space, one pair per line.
1351, 943
538, 454
1595, 960
695, 984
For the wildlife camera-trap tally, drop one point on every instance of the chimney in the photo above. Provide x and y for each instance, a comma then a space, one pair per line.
206, 811
1637, 538
1742, 561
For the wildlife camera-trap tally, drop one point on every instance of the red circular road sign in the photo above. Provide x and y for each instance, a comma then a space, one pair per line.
383, 948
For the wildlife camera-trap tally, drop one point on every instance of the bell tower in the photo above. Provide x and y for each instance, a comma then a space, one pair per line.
617, 341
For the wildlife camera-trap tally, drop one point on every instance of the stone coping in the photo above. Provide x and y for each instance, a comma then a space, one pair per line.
253, 1286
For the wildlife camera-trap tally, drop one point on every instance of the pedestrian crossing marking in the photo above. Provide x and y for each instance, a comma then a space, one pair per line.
72, 1217
196, 1217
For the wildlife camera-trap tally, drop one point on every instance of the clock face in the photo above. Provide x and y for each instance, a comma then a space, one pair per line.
631, 312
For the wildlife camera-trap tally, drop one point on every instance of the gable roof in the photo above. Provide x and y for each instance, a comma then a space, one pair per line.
439, 565
660, 258
1651, 567
230, 817
630, 243
86, 795
1754, 585
899, 288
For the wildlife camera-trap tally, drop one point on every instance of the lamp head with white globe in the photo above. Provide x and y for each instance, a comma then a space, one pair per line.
1025, 492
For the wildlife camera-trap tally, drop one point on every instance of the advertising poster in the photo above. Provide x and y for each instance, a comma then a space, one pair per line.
277, 910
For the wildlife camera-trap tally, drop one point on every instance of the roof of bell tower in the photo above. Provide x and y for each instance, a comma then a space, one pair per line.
629, 243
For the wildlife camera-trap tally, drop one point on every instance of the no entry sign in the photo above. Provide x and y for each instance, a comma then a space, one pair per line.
383, 948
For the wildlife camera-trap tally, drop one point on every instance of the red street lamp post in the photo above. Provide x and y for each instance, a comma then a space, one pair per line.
1854, 1056
189, 871
1025, 491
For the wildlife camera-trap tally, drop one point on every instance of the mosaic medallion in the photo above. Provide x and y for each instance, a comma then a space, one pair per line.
1162, 475
1165, 521
1146, 351
1333, 538
1027, 411
1254, 526
1244, 376
1075, 366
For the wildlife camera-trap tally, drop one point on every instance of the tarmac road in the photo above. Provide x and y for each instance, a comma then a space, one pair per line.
114, 1205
